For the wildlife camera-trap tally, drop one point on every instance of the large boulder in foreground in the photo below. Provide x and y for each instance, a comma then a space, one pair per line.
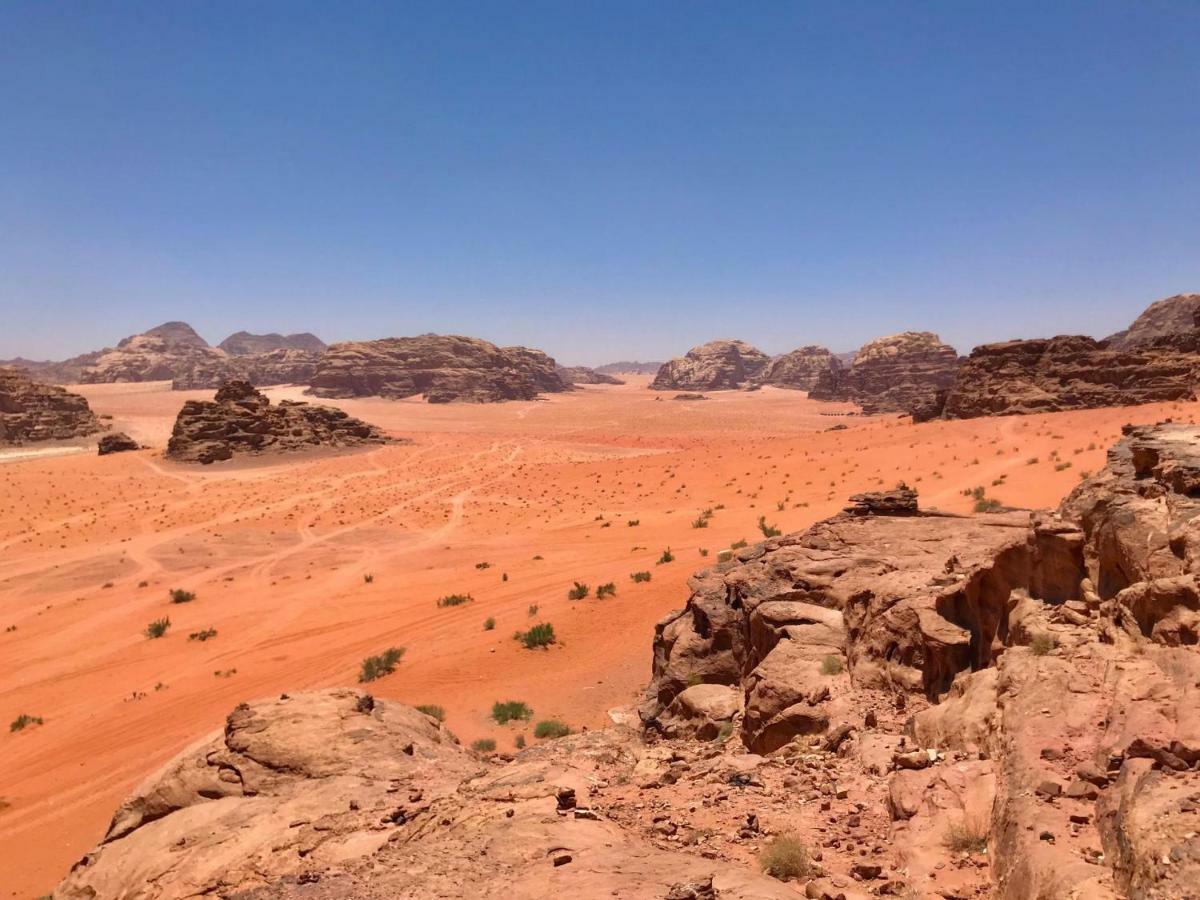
800, 368
897, 373
444, 368
31, 411
241, 420
716, 366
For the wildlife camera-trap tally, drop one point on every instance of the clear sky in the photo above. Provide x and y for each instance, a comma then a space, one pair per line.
603, 180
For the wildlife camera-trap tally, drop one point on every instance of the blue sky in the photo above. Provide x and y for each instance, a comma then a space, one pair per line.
602, 180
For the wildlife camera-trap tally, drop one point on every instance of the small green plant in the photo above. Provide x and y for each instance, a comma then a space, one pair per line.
785, 857
511, 711
639, 577
540, 635
519, 742
433, 711
550, 728
832, 665
368, 578
377, 666
532, 610
967, 836
578, 592
454, 600
988, 504
178, 595
667, 556
484, 745
608, 589
700, 522
725, 732
738, 545
489, 624
158, 627
769, 531
1042, 643
205, 635
23, 721
694, 679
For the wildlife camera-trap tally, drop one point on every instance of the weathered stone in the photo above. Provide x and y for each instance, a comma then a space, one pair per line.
716, 366
31, 411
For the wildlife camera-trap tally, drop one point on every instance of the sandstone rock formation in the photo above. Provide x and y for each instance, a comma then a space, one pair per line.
284, 366
31, 411
1164, 318
155, 355
243, 343
1071, 372
117, 443
241, 420
626, 367
584, 375
892, 374
799, 368
716, 366
445, 368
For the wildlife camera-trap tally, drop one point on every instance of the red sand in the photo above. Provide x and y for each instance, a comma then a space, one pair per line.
276, 553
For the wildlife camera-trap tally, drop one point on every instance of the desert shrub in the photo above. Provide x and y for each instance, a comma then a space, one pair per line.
483, 565
633, 523
23, 721
158, 627
489, 623
578, 592
368, 578
608, 589
1032, 461
484, 745
967, 836
785, 857
511, 711
1061, 466
704, 551
769, 531
540, 635
532, 610
667, 556
639, 577
738, 545
178, 595
377, 666
550, 728
694, 679
206, 634
454, 600
700, 522
725, 731
832, 665
988, 504
519, 742
1042, 643
433, 711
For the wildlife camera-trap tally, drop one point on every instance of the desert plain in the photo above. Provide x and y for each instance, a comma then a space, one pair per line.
305, 565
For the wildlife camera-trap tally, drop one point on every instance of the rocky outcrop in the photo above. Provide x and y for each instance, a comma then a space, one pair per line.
898, 373
340, 795
241, 420
31, 411
800, 368
1162, 319
1072, 372
584, 375
156, 355
716, 366
260, 369
445, 368
629, 368
243, 343
119, 442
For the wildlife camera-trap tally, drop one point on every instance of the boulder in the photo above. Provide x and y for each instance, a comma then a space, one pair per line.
702, 711
31, 411
716, 366
117, 443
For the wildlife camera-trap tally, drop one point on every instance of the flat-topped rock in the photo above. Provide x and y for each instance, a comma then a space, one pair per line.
242, 421
899, 501
444, 368
716, 366
31, 411
243, 343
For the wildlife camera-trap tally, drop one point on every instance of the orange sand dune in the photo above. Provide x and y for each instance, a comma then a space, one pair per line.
276, 553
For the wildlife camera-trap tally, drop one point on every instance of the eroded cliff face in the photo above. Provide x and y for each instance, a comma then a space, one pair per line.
722, 365
898, 373
31, 411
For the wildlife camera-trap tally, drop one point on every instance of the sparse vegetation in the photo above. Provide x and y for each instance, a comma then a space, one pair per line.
540, 635
785, 857
832, 665
550, 728
377, 666
178, 595
483, 565
484, 745
511, 711
1042, 643
205, 635
639, 577
532, 610
667, 556
578, 592
433, 711
489, 624
23, 721
988, 504
769, 531
738, 545
519, 742
608, 589
368, 578
633, 523
967, 836
454, 600
158, 627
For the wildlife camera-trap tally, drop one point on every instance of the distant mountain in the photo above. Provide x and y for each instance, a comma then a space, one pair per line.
1174, 315
628, 368
243, 343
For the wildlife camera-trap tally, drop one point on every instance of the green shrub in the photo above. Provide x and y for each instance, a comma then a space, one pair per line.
700, 522
489, 623
206, 634
532, 610
785, 857
550, 728
377, 666
832, 665
1042, 643
767, 530
988, 504
639, 577
608, 589
454, 600
667, 556
540, 635
433, 711
967, 836
578, 592
519, 742
738, 545
511, 711
484, 745
178, 595
158, 627
23, 721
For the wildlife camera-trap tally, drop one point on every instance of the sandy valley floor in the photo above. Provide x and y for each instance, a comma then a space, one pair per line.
589, 486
